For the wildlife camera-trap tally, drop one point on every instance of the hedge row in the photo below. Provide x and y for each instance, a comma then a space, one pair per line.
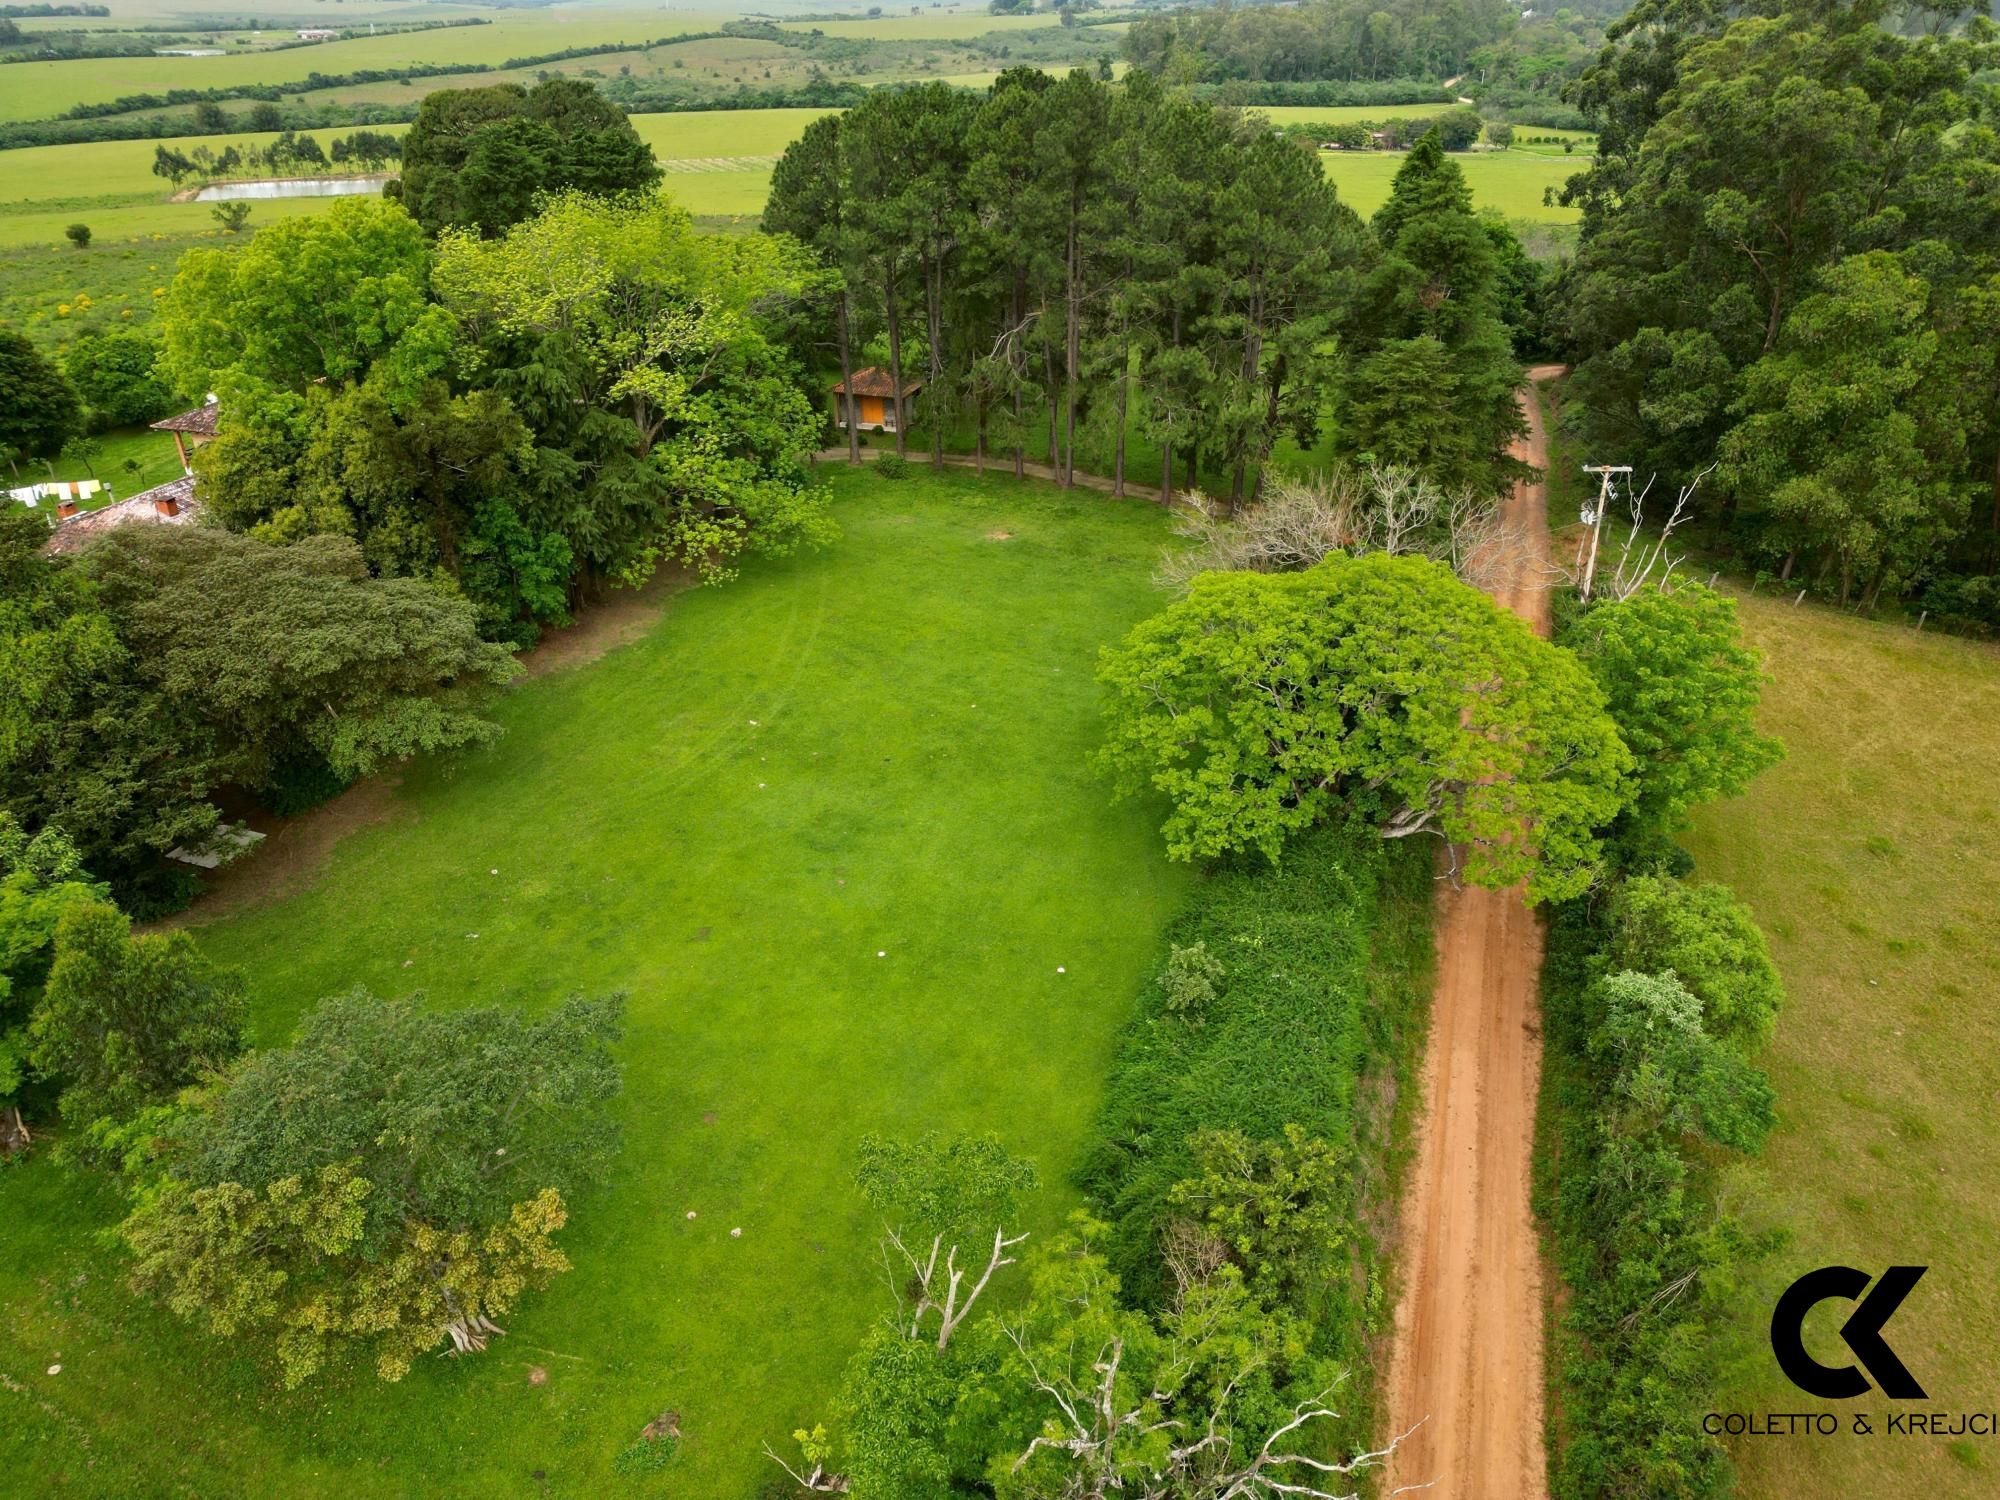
1325, 966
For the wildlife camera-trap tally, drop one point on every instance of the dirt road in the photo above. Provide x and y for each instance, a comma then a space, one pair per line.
1468, 1333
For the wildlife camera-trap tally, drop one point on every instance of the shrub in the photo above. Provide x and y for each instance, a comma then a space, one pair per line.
78, 235
1707, 938
892, 466
299, 783
1637, 1099
1281, 1046
644, 1456
1189, 981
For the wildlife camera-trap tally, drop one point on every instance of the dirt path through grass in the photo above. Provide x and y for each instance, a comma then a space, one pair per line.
1468, 1336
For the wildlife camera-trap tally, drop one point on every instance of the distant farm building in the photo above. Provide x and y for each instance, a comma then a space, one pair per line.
869, 398
317, 34
169, 504
192, 428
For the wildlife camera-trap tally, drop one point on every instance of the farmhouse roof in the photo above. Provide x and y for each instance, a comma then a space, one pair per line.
874, 381
197, 423
169, 504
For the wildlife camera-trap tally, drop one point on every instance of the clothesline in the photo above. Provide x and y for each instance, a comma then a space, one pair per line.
65, 489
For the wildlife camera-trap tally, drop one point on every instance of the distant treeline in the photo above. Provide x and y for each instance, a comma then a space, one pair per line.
1321, 39
164, 127
1326, 95
54, 10
634, 96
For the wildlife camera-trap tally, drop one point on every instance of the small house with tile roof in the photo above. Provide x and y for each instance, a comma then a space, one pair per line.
169, 504
870, 399
192, 428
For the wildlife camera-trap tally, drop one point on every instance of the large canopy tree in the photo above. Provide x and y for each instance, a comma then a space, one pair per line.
87, 746
1379, 686
478, 159
320, 298
390, 1180
1855, 434
665, 423
1758, 177
298, 648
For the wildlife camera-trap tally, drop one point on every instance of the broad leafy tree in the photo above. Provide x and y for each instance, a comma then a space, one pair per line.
318, 298
665, 424
1683, 689
40, 879
1378, 686
301, 649
478, 158
1707, 939
392, 1180
125, 1022
114, 373
38, 408
87, 746
1781, 229
1854, 436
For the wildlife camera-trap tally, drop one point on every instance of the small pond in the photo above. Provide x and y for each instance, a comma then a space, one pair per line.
293, 187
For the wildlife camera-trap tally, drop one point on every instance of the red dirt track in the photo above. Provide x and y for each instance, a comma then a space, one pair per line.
1467, 1360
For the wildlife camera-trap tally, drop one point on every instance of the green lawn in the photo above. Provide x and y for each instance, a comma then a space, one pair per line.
875, 750
1871, 857
154, 452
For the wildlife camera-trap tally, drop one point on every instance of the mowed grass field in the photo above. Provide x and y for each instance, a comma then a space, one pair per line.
1871, 856
877, 750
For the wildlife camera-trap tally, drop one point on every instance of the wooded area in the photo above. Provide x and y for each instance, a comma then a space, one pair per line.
1077, 258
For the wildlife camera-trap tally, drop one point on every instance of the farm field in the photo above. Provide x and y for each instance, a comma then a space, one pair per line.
1340, 114
1511, 182
878, 749
1870, 857
32, 86
935, 27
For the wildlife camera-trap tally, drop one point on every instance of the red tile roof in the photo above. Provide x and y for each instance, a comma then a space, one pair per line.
85, 527
197, 423
875, 382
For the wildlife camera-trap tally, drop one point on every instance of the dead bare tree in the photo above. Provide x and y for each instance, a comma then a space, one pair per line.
936, 1287
817, 1480
1645, 559
14, 1134
1094, 1428
1301, 520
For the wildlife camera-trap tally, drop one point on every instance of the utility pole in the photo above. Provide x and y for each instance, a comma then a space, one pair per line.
1606, 471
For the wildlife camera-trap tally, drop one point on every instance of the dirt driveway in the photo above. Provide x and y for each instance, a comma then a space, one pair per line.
1467, 1358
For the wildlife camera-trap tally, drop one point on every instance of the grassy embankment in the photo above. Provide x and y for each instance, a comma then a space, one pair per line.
1870, 857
